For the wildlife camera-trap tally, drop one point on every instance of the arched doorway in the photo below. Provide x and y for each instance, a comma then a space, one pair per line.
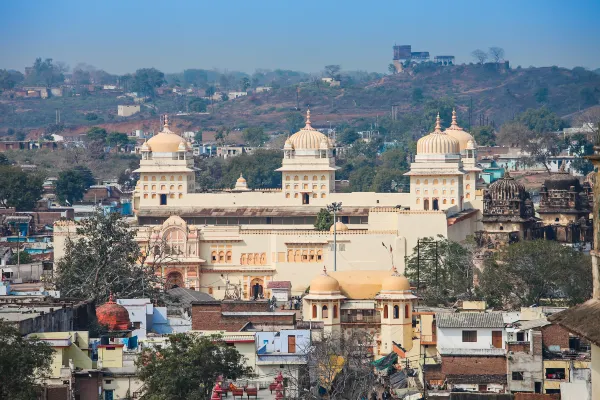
256, 288
426, 204
435, 204
174, 279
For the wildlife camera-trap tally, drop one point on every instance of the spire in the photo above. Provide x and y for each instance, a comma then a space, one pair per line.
438, 124
454, 123
166, 121
308, 126
395, 271
325, 271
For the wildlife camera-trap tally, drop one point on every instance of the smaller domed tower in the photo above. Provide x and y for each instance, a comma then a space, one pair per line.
113, 315
323, 302
395, 303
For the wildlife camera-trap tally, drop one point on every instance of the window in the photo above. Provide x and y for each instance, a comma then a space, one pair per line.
452, 201
517, 375
108, 381
180, 187
146, 178
296, 186
322, 187
443, 181
153, 187
469, 336
468, 177
175, 241
172, 178
172, 187
444, 201
385, 311
325, 312
287, 185
153, 178
314, 178
435, 181
314, 311
322, 195
287, 195
555, 373
163, 199
315, 195
305, 177
145, 187
468, 186
418, 181
172, 196
452, 181
179, 178
145, 195
426, 182
323, 177
163, 187
520, 336
396, 312
163, 178
468, 195
153, 195
180, 195
406, 311
305, 186
296, 177
295, 195
335, 311
315, 187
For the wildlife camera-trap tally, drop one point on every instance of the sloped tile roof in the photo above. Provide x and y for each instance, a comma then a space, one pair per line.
469, 320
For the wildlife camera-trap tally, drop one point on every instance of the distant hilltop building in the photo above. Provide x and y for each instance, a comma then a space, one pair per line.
404, 53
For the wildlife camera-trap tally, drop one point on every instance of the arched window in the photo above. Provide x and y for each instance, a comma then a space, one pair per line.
468, 186
172, 178
305, 186
287, 195
418, 201
296, 177
163, 178
418, 181
146, 178
435, 191
322, 195
287, 185
174, 279
213, 257
314, 178
315, 195
172, 196
163, 187
221, 257
315, 187
435, 181
426, 182
180, 187
153, 187
468, 195
295, 195
324, 312
396, 312
468, 177
426, 204
452, 181
323, 177
305, 177
296, 186
335, 314
445, 201
145, 195
180, 195
175, 241
443, 181
153, 195
385, 311
153, 178
228, 255
322, 187
244, 259
180, 178
314, 309
319, 255
406, 311
287, 177
452, 201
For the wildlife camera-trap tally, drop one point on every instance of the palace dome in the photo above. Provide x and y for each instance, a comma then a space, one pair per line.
307, 138
339, 227
438, 142
395, 283
113, 315
459, 133
167, 141
562, 181
506, 188
324, 284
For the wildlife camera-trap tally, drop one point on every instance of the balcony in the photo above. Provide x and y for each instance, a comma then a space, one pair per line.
360, 319
428, 339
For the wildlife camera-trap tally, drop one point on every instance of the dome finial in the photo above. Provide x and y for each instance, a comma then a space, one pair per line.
395, 271
438, 124
308, 126
325, 271
454, 123
166, 121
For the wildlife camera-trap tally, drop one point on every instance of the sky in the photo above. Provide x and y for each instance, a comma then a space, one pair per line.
121, 36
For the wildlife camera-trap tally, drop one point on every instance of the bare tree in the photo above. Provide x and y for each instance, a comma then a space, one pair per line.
496, 54
333, 71
337, 364
479, 55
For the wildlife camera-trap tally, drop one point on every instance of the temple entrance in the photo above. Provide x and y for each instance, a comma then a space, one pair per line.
174, 279
426, 204
256, 288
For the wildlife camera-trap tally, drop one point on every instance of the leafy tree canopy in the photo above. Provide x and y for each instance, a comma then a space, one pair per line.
105, 258
116, 139
8, 79
146, 80
348, 136
443, 270
188, 366
20, 189
23, 258
196, 104
535, 271
294, 121
73, 183
255, 136
23, 363
541, 120
484, 135
324, 220
96, 134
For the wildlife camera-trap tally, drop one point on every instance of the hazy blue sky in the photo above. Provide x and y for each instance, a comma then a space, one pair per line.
121, 36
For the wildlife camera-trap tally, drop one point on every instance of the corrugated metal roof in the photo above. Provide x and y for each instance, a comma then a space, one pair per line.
469, 320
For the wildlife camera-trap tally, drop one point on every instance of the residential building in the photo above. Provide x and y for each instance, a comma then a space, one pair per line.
473, 351
232, 151
127, 110
235, 95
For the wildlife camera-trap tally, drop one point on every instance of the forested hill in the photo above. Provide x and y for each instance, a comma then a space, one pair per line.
494, 93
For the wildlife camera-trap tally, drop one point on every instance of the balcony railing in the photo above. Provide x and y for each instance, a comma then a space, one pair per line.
360, 319
428, 339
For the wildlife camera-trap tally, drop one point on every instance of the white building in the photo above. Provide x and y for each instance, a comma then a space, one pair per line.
127, 111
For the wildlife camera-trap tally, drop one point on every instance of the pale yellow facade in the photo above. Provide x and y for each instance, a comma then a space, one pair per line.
240, 237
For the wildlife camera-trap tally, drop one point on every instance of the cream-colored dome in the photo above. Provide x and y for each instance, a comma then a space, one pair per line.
438, 142
307, 138
241, 179
459, 133
395, 283
324, 284
167, 141
339, 227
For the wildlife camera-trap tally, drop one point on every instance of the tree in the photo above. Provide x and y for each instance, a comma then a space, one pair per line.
23, 258
442, 270
117, 139
348, 136
541, 95
339, 368
196, 104
4, 161
484, 135
294, 121
496, 54
188, 366
580, 147
479, 55
24, 362
210, 91
73, 183
255, 136
530, 272
146, 80
392, 69
20, 189
389, 180
45, 72
198, 137
224, 81
197, 77
361, 179
224, 96
541, 120
333, 71
8, 79
258, 168
244, 83
417, 95
324, 220
104, 257
95, 134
